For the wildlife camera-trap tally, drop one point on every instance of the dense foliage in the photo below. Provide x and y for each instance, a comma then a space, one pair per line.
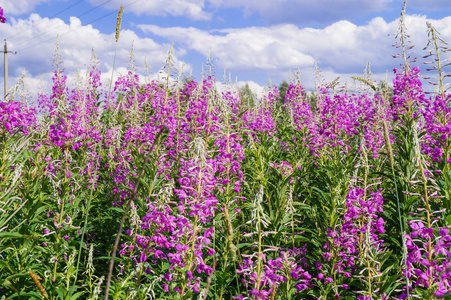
323, 195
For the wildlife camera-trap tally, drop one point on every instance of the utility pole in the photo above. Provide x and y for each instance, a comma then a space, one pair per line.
5, 57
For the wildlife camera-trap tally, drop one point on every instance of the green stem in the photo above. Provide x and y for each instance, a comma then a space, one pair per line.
259, 252
88, 207
112, 72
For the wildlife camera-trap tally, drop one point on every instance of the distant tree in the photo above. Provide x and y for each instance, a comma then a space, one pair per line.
283, 87
248, 96
386, 89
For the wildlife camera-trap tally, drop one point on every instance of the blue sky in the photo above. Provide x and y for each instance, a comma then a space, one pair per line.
253, 40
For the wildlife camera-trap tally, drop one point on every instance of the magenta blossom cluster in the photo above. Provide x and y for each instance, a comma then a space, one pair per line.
297, 106
16, 116
436, 112
2, 18
284, 168
336, 121
361, 229
407, 92
178, 228
262, 119
429, 258
285, 272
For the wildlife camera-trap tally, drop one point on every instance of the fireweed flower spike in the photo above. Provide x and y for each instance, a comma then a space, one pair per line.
2, 18
328, 220
118, 23
116, 36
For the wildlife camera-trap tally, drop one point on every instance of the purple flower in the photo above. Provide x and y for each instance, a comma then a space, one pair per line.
168, 276
16, 116
189, 275
380, 225
441, 289
2, 18
444, 231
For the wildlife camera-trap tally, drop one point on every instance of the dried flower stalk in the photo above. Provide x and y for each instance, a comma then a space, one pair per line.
38, 284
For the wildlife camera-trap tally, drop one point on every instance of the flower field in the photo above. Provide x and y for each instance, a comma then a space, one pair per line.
175, 190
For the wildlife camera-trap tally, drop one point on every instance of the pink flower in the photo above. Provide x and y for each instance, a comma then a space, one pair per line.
2, 18
441, 289
380, 225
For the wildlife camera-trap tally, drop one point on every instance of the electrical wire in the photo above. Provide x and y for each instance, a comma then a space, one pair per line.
93, 21
61, 11
52, 16
92, 9
51, 29
59, 35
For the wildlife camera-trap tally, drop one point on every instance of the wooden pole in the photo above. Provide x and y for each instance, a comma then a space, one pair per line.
5, 57
5, 53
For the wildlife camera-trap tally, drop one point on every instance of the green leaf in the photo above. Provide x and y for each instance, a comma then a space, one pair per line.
14, 235
34, 295
77, 295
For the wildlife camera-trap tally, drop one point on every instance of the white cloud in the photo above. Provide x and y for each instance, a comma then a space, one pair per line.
274, 11
429, 5
34, 40
254, 48
305, 11
18, 7
256, 88
301, 12
342, 48
193, 9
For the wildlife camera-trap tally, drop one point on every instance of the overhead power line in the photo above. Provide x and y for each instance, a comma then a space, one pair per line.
93, 21
52, 16
63, 10
53, 38
51, 29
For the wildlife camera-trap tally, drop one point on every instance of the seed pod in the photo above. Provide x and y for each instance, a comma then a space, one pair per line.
119, 21
38, 284
388, 144
232, 246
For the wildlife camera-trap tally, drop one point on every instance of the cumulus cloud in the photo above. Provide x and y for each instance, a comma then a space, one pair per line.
305, 11
342, 47
19, 7
256, 88
34, 40
273, 11
324, 12
430, 5
300, 12
255, 48
193, 9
